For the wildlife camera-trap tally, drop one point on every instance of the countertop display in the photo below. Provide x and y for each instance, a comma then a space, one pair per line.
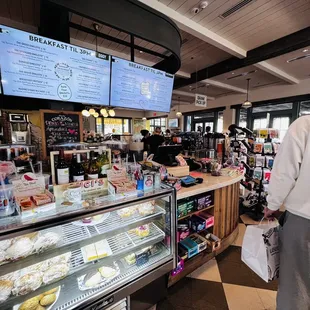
78, 255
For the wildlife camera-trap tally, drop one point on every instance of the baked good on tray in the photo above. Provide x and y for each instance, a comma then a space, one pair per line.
27, 283
107, 272
6, 287
146, 208
25, 202
142, 231
46, 241
55, 273
41, 199
92, 279
4, 244
22, 247
126, 212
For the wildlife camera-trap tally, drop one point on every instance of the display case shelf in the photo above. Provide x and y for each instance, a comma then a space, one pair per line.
70, 284
74, 237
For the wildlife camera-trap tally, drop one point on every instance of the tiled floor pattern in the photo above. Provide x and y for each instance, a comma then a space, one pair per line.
224, 283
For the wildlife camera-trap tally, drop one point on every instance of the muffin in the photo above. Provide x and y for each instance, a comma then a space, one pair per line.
48, 300
30, 304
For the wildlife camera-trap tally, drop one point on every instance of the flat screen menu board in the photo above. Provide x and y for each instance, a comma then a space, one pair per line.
60, 127
140, 87
38, 67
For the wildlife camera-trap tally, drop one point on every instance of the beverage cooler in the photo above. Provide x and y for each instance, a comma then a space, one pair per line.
90, 257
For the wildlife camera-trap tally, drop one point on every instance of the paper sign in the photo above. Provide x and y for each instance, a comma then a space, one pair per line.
200, 101
29, 185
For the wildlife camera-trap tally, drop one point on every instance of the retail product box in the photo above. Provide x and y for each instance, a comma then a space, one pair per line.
200, 241
121, 186
31, 196
197, 223
214, 243
185, 206
209, 218
182, 252
205, 201
183, 230
190, 246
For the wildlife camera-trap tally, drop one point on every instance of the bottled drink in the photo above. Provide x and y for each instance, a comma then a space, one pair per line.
93, 171
72, 166
78, 172
103, 163
62, 169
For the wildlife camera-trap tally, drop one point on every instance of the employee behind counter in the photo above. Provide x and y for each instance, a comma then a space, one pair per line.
154, 141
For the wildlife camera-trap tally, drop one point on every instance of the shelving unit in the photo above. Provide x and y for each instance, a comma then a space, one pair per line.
196, 212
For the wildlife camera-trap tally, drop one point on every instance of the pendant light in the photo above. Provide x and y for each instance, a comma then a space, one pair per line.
92, 111
247, 104
178, 113
85, 113
96, 114
112, 112
103, 111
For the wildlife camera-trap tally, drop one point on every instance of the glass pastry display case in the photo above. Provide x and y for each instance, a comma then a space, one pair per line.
88, 257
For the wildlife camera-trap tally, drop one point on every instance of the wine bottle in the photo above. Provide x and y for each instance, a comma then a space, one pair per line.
78, 172
62, 169
72, 166
93, 171
103, 163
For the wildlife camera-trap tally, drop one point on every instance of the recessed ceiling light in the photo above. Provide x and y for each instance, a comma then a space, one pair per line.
141, 52
190, 86
305, 50
233, 73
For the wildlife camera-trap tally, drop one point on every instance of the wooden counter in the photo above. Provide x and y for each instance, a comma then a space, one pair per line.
225, 211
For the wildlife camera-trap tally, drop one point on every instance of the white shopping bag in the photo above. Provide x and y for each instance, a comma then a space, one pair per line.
260, 250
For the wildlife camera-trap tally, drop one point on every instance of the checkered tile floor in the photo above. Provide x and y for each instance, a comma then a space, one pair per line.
223, 283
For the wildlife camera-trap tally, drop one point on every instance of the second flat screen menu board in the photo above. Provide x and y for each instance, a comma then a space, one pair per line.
140, 87
38, 67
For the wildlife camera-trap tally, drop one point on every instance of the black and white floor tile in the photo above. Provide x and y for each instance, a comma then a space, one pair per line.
224, 283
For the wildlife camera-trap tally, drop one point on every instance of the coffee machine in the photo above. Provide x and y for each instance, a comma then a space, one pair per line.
20, 128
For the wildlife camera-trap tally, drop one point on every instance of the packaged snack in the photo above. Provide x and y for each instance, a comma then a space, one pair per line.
20, 248
6, 287
41, 199
142, 231
27, 283
46, 241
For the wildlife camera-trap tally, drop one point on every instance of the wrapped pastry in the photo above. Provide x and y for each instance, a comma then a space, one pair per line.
61, 259
3, 257
27, 283
39, 267
126, 212
30, 304
4, 244
55, 273
20, 248
142, 231
41, 199
6, 287
107, 272
146, 208
130, 259
12, 276
46, 241
48, 300
92, 279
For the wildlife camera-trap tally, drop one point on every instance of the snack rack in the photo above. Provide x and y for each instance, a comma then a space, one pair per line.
122, 239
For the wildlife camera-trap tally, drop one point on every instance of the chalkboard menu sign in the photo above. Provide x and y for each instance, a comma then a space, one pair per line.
60, 127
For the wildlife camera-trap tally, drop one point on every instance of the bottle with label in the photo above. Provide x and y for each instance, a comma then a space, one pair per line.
72, 166
62, 169
103, 163
78, 172
93, 171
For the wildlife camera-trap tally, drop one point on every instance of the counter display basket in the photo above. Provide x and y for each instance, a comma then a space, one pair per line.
86, 257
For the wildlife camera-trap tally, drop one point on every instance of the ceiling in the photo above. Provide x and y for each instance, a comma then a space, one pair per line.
259, 22
207, 39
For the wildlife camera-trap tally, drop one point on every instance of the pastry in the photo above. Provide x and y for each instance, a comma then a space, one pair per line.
12, 276
52, 291
39, 267
146, 209
46, 241
20, 248
41, 199
60, 259
107, 272
90, 252
25, 202
27, 283
6, 287
5, 244
3, 257
126, 212
92, 279
97, 217
39, 307
87, 220
130, 259
48, 300
30, 304
55, 273
102, 248
142, 231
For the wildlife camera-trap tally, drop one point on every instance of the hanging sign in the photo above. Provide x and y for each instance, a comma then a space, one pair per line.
200, 101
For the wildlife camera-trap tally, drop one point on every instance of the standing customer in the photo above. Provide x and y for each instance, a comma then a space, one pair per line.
156, 140
289, 185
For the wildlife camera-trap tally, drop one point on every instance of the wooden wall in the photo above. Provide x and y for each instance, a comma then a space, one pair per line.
226, 210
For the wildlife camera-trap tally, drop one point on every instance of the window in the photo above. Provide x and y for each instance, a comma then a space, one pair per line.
259, 123
304, 108
188, 123
158, 122
220, 123
211, 124
282, 124
112, 125
243, 118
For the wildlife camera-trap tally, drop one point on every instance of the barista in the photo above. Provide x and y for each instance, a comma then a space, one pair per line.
155, 140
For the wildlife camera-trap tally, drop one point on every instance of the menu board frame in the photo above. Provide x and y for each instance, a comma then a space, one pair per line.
43, 128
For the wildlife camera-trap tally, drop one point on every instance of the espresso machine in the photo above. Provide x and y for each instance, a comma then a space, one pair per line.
20, 128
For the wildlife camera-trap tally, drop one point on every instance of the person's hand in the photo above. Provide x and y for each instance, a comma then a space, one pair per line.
269, 214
